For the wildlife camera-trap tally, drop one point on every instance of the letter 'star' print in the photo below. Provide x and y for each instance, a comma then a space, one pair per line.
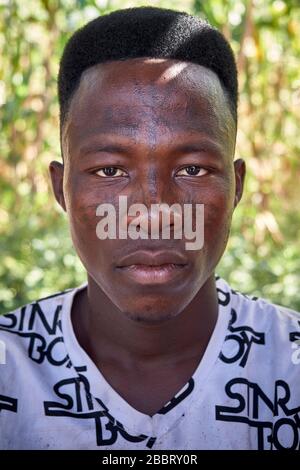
78, 402
250, 406
40, 347
244, 336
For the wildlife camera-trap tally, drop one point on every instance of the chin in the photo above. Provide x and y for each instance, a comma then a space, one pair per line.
151, 315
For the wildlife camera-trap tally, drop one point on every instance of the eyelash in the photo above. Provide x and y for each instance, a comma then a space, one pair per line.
194, 166
105, 167
184, 168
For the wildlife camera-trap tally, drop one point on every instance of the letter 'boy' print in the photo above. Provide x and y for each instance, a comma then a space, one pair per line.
178, 398
223, 297
244, 336
294, 338
8, 403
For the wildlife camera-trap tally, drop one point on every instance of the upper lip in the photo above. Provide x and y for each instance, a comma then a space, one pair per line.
152, 258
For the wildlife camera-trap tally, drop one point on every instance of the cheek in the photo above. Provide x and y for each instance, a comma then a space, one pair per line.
217, 220
217, 210
82, 216
82, 203
84, 197
92, 251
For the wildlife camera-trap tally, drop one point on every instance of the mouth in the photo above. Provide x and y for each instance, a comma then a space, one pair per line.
153, 274
153, 267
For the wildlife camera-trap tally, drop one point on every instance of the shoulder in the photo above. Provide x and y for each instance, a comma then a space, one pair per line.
258, 321
28, 330
40, 311
257, 310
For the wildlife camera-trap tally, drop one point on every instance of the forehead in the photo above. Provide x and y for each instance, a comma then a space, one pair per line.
130, 95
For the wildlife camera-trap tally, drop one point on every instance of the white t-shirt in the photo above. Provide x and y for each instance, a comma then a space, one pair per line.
244, 394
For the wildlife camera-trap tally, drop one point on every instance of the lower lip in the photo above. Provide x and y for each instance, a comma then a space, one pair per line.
145, 274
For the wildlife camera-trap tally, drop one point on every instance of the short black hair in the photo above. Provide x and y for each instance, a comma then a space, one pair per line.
146, 32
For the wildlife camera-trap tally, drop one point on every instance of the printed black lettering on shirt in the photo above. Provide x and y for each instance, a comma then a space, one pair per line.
178, 398
268, 411
78, 402
294, 337
8, 403
244, 336
249, 404
44, 346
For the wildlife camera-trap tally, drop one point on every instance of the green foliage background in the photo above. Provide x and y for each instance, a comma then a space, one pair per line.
37, 257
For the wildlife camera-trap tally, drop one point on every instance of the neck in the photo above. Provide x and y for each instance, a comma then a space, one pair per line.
106, 334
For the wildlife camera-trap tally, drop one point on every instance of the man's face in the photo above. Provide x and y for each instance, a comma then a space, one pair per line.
156, 118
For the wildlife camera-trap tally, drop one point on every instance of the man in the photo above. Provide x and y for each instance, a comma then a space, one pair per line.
154, 351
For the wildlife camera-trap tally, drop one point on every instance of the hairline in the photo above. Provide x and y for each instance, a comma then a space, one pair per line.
87, 79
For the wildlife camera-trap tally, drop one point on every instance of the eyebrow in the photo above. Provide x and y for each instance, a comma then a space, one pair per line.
110, 148
204, 144
199, 146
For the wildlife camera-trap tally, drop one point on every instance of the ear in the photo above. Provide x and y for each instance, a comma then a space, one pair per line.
57, 176
240, 171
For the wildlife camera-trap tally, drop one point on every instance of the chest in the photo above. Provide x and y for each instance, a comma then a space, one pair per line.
149, 390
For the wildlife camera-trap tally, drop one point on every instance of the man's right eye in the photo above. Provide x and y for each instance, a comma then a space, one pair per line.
110, 171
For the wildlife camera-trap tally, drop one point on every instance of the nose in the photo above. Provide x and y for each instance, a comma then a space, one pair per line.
151, 185
155, 220
150, 210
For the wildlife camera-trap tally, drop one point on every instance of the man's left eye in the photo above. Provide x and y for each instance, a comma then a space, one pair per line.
110, 171
192, 170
